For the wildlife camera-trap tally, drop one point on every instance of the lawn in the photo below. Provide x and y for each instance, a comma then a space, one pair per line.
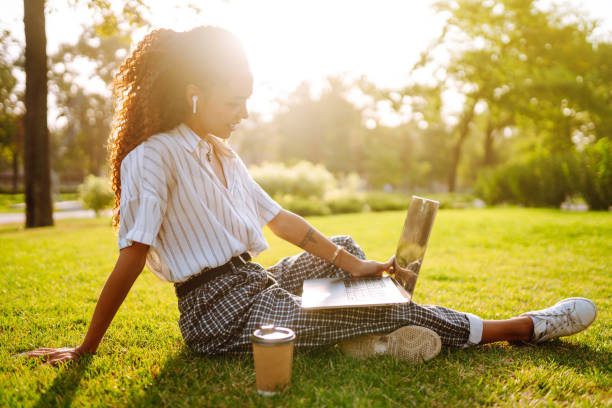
9, 202
494, 262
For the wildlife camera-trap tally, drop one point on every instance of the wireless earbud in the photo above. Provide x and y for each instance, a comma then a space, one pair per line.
194, 99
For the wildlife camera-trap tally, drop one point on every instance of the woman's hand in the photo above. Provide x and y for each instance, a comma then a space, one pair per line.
295, 229
128, 267
371, 268
55, 356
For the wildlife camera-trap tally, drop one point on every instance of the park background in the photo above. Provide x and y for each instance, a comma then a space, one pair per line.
357, 105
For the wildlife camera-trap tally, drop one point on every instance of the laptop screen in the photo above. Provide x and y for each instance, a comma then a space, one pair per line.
413, 242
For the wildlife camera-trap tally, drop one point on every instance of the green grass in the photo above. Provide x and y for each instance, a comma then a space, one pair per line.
8, 200
495, 263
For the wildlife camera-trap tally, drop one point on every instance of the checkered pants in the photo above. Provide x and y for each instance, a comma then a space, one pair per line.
219, 316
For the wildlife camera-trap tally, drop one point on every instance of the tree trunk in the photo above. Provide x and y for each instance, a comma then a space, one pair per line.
490, 156
463, 127
39, 211
456, 156
15, 176
488, 159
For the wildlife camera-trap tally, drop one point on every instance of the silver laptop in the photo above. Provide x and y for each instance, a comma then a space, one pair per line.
397, 287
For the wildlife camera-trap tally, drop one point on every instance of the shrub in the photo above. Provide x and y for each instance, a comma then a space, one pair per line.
596, 175
379, 201
537, 180
304, 206
490, 187
548, 179
304, 179
95, 193
451, 200
346, 204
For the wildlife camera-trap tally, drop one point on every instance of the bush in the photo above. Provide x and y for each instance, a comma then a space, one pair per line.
310, 189
346, 204
538, 180
451, 200
492, 187
379, 201
541, 180
95, 193
596, 175
304, 206
303, 180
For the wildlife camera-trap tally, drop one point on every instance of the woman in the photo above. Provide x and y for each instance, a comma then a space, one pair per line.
186, 205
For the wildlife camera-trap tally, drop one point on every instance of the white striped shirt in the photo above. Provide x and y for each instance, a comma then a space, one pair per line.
172, 200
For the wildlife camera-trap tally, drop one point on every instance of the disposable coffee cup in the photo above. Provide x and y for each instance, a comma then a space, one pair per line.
273, 357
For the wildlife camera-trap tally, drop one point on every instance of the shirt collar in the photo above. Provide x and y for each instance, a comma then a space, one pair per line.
188, 138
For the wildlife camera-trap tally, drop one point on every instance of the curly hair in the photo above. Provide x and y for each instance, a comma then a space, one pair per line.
149, 89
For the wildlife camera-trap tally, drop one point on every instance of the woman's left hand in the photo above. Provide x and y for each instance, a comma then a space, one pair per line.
371, 268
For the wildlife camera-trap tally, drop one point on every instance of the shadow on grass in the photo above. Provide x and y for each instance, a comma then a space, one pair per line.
556, 352
189, 379
329, 378
65, 385
576, 356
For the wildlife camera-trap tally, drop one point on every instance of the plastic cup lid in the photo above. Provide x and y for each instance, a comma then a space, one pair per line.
272, 335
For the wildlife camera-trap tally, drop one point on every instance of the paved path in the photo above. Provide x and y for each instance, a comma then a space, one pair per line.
19, 218
67, 209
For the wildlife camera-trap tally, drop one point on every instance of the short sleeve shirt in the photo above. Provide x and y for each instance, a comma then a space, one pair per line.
172, 200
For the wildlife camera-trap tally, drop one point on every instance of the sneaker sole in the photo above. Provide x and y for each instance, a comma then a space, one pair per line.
409, 343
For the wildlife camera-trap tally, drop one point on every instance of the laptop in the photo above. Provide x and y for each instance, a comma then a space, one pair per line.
394, 288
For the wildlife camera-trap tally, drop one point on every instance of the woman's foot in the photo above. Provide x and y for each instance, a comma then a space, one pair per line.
565, 318
410, 343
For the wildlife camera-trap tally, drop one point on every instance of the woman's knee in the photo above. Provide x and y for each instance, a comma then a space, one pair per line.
349, 244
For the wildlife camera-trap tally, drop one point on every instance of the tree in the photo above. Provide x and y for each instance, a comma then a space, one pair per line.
11, 126
39, 211
524, 67
390, 158
38, 192
79, 146
327, 129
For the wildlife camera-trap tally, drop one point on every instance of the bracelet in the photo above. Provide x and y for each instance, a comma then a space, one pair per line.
333, 259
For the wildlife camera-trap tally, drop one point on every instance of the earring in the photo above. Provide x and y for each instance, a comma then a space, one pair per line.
194, 99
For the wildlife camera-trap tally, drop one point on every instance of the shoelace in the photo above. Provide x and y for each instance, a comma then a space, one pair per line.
566, 318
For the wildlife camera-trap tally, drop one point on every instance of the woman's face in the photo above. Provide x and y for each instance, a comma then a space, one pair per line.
223, 106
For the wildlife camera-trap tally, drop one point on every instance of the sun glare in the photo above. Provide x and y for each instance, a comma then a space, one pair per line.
292, 41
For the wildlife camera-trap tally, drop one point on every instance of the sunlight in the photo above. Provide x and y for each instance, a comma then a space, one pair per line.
292, 41
289, 41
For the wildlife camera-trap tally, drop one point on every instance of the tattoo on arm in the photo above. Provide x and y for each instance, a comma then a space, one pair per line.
308, 238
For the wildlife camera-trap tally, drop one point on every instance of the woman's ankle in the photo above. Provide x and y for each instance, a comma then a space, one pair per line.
527, 331
515, 329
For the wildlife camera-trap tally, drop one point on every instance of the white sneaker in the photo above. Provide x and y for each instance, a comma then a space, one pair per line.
565, 318
409, 343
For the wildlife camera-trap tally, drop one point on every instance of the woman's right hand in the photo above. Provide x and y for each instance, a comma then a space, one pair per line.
371, 268
55, 356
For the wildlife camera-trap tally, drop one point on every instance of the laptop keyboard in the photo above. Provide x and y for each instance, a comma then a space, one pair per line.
365, 288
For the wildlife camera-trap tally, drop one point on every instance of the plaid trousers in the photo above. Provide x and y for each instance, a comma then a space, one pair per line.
220, 316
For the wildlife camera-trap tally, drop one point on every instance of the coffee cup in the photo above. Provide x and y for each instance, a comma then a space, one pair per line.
273, 357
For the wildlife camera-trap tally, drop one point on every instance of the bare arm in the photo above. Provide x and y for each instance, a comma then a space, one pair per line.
127, 269
298, 231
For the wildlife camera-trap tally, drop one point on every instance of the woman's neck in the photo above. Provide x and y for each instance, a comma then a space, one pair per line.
196, 128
